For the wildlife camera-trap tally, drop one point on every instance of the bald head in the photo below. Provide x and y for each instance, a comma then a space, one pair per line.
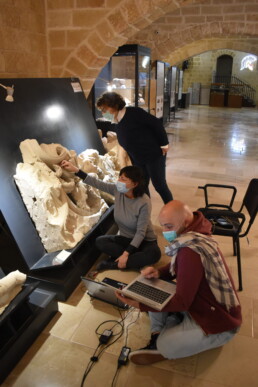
175, 215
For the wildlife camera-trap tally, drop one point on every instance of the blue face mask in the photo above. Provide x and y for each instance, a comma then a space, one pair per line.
108, 116
169, 235
121, 187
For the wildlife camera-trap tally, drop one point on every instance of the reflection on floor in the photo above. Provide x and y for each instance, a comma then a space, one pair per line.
206, 145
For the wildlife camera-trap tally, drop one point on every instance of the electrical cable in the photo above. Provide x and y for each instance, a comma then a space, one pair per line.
107, 321
123, 357
89, 366
131, 323
114, 341
114, 378
103, 340
95, 357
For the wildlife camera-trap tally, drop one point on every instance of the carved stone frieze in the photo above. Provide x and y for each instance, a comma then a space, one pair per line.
61, 206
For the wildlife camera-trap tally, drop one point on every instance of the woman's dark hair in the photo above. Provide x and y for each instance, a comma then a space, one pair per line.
136, 175
111, 99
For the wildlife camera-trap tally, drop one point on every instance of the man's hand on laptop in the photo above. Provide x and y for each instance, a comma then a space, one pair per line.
126, 300
150, 272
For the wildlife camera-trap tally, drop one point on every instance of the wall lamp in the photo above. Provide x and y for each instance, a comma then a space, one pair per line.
10, 91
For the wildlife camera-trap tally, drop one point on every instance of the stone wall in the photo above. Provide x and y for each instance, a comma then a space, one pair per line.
199, 70
202, 66
250, 77
84, 34
23, 48
63, 38
202, 26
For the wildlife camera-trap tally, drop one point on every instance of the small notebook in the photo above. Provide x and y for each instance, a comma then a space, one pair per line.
155, 293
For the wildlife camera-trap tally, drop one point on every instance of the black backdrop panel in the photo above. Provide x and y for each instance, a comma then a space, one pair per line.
50, 111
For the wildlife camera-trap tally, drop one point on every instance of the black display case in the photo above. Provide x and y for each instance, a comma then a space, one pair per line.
75, 128
161, 76
173, 91
21, 322
131, 63
128, 74
167, 92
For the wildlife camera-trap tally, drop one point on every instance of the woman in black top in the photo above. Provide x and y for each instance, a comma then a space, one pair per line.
143, 137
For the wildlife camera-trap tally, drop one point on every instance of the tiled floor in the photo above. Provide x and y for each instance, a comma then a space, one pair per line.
206, 145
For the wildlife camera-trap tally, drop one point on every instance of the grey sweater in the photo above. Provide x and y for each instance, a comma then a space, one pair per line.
131, 215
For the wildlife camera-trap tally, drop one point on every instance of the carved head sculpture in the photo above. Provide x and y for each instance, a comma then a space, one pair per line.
10, 91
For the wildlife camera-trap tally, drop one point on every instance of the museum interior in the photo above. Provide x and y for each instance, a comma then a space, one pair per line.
192, 64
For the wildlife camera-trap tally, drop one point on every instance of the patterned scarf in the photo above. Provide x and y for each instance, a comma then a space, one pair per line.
215, 271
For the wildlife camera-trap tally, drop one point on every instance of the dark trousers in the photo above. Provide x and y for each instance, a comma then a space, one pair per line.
156, 172
114, 245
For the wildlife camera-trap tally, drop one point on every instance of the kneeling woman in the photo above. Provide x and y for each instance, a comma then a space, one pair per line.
135, 246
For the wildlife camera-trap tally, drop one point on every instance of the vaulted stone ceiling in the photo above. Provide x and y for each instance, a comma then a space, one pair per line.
83, 35
199, 27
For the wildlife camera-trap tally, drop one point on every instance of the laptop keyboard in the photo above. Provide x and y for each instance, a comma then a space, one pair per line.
148, 291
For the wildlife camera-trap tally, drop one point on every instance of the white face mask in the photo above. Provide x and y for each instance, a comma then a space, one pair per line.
108, 116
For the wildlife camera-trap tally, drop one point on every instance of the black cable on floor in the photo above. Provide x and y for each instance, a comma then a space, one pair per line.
95, 357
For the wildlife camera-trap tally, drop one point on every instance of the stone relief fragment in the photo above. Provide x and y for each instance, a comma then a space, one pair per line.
10, 286
110, 143
61, 206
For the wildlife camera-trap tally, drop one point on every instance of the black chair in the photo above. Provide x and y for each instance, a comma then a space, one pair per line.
228, 222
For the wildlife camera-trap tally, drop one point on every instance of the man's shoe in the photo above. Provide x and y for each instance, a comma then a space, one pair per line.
148, 354
107, 265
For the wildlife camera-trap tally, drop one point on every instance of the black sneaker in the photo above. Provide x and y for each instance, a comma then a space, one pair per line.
153, 342
148, 354
107, 265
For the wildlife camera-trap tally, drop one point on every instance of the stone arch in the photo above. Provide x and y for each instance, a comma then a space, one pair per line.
168, 44
203, 45
94, 49
224, 52
132, 21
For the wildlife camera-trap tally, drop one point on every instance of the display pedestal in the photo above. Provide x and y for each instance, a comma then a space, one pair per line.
61, 279
217, 100
235, 101
25, 318
185, 101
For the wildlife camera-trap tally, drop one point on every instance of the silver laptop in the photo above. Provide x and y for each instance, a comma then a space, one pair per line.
155, 293
103, 292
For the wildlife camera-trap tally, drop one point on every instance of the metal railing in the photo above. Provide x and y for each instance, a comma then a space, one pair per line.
236, 86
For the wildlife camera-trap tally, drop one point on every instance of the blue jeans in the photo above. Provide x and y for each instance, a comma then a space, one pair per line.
155, 171
180, 338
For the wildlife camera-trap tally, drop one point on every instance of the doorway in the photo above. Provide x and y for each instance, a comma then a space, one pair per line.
224, 68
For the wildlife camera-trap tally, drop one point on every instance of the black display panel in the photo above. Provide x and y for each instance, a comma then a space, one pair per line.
50, 111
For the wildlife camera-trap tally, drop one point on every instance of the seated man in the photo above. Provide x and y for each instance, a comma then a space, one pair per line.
205, 312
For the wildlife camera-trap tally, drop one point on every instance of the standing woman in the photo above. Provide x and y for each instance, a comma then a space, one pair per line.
143, 137
135, 246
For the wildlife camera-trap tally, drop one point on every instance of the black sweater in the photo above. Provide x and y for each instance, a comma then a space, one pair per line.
141, 135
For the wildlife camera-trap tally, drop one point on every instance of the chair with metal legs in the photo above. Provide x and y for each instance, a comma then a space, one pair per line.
227, 222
